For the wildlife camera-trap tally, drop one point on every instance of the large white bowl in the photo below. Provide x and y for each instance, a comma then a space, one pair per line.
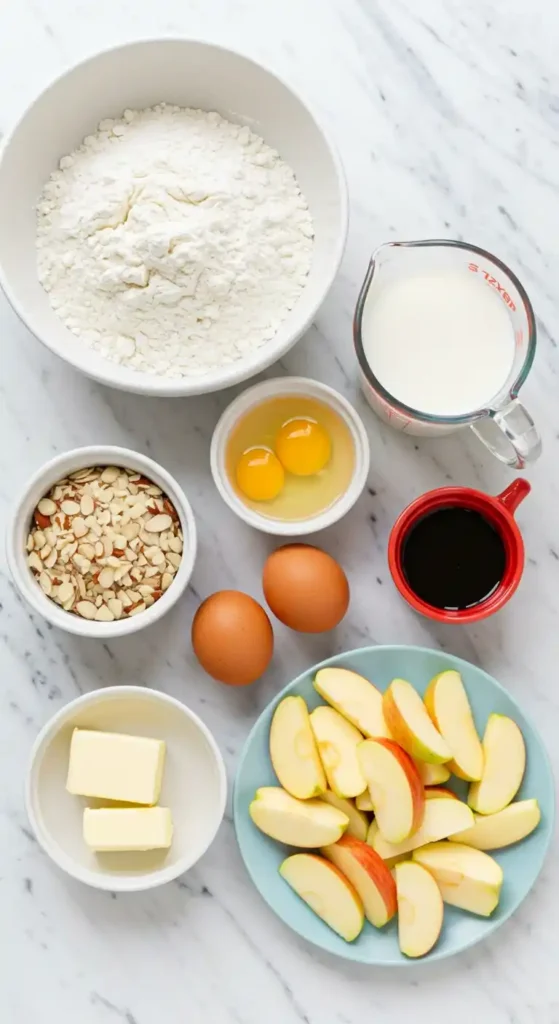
190, 74
194, 787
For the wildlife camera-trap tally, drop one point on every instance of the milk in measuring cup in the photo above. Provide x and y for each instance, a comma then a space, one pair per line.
441, 343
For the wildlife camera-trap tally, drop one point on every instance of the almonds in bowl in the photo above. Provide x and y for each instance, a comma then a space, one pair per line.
73, 532
105, 543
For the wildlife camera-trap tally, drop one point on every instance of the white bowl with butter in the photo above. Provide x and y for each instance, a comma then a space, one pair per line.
193, 789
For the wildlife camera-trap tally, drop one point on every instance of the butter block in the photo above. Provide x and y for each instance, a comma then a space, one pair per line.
113, 766
121, 829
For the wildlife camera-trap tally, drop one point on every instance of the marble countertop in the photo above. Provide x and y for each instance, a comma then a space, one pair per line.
446, 113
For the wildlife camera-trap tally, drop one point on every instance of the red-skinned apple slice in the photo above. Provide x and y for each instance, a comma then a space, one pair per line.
355, 698
306, 823
494, 831
293, 750
358, 822
394, 787
408, 720
467, 878
420, 909
434, 792
327, 891
442, 818
369, 876
505, 760
447, 702
337, 742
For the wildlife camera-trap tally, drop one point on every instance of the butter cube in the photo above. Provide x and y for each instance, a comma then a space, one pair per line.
120, 829
115, 767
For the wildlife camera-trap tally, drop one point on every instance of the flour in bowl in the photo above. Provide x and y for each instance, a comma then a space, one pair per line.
173, 241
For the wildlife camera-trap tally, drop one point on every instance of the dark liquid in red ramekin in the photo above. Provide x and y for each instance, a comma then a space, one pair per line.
453, 558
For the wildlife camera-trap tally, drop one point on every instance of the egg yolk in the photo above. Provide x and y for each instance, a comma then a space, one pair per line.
260, 474
303, 446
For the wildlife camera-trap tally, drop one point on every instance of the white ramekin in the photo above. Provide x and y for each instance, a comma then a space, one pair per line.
21, 519
290, 386
194, 787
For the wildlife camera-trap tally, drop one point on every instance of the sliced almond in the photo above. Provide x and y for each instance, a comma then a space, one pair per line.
166, 580
104, 614
87, 505
174, 559
45, 583
51, 560
137, 510
158, 523
79, 529
115, 605
65, 592
86, 609
110, 474
70, 508
106, 578
46, 507
135, 609
175, 544
131, 530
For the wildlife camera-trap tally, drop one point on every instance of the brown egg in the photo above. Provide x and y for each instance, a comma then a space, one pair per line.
232, 637
306, 588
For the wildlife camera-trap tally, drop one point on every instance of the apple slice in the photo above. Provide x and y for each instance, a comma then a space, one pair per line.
358, 822
394, 787
442, 818
432, 774
326, 891
505, 760
407, 718
420, 909
467, 878
306, 823
363, 802
369, 876
293, 751
493, 831
435, 792
355, 698
447, 702
337, 742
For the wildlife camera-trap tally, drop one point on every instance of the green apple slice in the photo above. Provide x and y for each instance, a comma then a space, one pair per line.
337, 742
355, 698
447, 702
504, 763
420, 909
293, 750
494, 831
358, 822
305, 823
442, 818
467, 878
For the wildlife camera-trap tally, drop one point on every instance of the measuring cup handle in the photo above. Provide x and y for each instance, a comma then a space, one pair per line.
516, 441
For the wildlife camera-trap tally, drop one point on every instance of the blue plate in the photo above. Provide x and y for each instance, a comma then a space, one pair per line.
521, 863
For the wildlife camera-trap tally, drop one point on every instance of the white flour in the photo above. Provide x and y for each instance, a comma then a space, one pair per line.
173, 241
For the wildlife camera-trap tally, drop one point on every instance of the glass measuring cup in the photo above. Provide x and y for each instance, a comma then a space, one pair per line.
504, 425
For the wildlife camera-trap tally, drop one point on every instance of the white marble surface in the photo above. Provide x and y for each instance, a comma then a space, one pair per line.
447, 115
